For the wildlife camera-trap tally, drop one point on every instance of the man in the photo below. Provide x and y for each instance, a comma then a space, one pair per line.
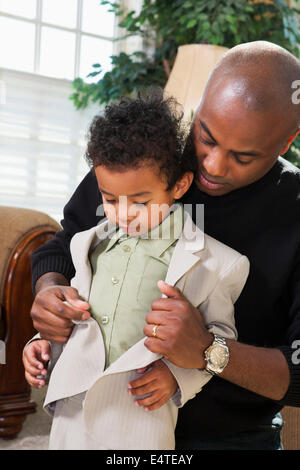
246, 118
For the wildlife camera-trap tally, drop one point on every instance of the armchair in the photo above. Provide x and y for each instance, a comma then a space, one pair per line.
22, 232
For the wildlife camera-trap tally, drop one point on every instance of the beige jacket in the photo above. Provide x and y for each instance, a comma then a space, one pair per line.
211, 276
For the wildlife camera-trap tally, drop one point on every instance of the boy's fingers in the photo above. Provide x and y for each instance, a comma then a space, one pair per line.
33, 381
30, 358
33, 370
143, 370
145, 379
149, 388
153, 399
156, 405
45, 350
35, 354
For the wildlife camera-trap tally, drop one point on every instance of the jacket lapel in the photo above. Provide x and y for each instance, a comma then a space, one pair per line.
81, 245
187, 251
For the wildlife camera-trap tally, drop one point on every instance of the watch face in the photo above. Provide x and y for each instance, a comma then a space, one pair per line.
218, 356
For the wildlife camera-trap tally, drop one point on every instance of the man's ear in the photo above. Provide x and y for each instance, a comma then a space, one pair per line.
182, 185
289, 142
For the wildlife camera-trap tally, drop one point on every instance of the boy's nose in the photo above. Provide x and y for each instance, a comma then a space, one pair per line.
125, 216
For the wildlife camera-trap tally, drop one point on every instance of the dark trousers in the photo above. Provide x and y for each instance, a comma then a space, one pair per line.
265, 437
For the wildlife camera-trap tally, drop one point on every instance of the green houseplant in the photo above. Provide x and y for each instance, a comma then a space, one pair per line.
169, 25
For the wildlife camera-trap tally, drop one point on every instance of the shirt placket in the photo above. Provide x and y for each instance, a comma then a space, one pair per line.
123, 252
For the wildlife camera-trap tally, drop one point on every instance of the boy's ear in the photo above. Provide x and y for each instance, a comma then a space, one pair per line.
182, 185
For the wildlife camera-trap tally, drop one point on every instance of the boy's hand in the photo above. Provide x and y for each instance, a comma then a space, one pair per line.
159, 381
35, 355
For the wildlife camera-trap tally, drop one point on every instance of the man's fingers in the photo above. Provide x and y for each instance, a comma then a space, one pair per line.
169, 304
157, 346
160, 330
48, 318
169, 291
157, 317
62, 309
54, 300
76, 302
53, 328
53, 310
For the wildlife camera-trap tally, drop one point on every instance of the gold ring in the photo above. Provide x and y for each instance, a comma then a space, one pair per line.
154, 330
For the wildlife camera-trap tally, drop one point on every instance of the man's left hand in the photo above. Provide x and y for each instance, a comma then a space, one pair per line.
180, 335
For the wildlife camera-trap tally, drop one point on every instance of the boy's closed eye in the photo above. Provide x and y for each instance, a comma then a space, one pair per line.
113, 201
141, 203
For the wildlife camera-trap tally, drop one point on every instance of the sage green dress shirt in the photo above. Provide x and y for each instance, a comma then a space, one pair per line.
124, 284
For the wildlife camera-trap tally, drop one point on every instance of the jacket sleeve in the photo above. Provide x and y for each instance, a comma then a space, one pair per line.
218, 315
80, 213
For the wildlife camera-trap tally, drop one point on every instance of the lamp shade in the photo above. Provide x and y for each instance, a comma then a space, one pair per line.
190, 73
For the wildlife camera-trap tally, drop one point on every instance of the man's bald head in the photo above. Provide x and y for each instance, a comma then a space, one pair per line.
259, 74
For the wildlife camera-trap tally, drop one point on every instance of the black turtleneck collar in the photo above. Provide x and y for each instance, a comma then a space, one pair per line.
195, 195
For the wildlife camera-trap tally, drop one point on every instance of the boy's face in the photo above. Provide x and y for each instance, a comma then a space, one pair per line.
137, 199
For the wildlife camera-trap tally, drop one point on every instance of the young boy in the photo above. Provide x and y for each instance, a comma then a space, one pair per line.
136, 150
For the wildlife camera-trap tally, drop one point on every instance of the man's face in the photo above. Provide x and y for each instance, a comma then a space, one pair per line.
234, 146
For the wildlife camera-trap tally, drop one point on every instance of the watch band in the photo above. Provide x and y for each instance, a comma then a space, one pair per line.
220, 340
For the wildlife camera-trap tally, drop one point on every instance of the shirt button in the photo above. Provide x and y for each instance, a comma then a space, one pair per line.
104, 320
126, 248
114, 280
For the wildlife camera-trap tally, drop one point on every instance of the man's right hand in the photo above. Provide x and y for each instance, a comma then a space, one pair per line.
52, 317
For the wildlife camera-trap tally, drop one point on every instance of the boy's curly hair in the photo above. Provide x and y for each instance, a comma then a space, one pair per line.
140, 131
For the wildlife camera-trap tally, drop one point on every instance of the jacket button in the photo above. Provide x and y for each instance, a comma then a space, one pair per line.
126, 248
104, 320
114, 280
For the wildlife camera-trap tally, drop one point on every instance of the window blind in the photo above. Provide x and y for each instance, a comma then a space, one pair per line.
42, 142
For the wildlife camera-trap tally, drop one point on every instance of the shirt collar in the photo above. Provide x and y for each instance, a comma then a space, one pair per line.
160, 237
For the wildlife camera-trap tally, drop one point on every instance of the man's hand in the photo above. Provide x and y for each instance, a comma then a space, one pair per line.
158, 381
51, 317
181, 335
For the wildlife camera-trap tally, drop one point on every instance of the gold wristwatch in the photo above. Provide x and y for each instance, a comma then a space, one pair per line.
217, 355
